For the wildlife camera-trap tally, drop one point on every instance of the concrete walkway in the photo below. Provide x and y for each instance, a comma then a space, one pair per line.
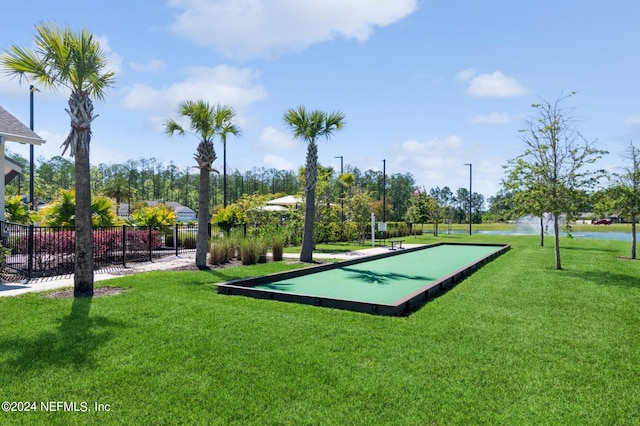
161, 264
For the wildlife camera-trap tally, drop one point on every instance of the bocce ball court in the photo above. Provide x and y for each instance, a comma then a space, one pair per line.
393, 283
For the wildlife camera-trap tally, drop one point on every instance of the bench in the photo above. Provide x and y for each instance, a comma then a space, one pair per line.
396, 244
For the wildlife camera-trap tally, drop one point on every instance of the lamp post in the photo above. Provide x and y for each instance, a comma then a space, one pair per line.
384, 191
129, 198
470, 180
32, 89
341, 189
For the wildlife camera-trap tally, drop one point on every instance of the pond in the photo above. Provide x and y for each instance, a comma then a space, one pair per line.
619, 236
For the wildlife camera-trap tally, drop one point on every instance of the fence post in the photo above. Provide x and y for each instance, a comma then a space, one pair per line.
30, 253
124, 246
150, 246
175, 237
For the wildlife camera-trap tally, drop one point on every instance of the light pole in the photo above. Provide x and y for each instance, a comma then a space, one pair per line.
129, 198
384, 191
341, 189
32, 89
470, 180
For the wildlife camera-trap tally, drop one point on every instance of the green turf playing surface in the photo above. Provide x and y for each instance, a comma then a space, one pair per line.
387, 280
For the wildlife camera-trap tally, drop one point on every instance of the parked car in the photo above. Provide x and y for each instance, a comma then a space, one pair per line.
601, 222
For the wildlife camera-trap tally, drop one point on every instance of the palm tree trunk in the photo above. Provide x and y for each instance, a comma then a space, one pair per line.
306, 252
83, 275
202, 242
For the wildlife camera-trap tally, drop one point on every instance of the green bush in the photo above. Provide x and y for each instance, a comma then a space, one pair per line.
188, 240
5, 252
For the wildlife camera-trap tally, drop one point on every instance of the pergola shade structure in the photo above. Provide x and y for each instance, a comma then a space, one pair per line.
12, 130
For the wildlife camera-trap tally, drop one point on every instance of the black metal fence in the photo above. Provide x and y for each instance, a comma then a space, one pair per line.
38, 251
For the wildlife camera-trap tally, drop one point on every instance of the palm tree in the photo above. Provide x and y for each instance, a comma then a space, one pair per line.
119, 189
62, 58
310, 126
205, 122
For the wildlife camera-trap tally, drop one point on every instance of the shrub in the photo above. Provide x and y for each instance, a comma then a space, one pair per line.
156, 216
5, 252
138, 239
188, 240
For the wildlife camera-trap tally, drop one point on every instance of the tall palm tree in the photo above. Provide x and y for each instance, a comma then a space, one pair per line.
311, 126
119, 188
206, 122
62, 58
225, 118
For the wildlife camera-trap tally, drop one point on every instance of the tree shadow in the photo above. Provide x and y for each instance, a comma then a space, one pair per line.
606, 278
72, 343
380, 278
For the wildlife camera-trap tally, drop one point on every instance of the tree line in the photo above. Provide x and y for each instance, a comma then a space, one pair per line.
148, 179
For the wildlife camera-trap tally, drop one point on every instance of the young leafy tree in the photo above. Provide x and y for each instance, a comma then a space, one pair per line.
359, 211
418, 211
206, 122
625, 194
554, 169
75, 61
311, 126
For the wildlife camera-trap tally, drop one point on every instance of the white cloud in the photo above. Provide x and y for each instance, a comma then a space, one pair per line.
494, 85
466, 75
493, 118
441, 162
273, 140
152, 65
114, 59
278, 162
222, 84
633, 120
435, 161
250, 28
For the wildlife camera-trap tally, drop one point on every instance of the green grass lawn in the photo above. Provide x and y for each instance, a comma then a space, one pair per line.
516, 343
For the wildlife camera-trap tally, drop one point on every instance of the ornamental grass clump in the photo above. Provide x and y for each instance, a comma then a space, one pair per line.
248, 251
277, 248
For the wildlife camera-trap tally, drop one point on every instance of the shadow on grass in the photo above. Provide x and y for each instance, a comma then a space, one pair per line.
586, 248
606, 278
71, 344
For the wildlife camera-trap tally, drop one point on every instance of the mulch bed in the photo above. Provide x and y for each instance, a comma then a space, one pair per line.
97, 292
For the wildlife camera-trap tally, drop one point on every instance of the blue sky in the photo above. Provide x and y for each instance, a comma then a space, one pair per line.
425, 85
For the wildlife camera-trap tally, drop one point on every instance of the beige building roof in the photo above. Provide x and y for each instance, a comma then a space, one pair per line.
14, 131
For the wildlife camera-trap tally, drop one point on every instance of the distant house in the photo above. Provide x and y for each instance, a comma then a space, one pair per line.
183, 213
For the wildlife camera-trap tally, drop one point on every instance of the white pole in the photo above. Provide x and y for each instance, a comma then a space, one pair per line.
373, 230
